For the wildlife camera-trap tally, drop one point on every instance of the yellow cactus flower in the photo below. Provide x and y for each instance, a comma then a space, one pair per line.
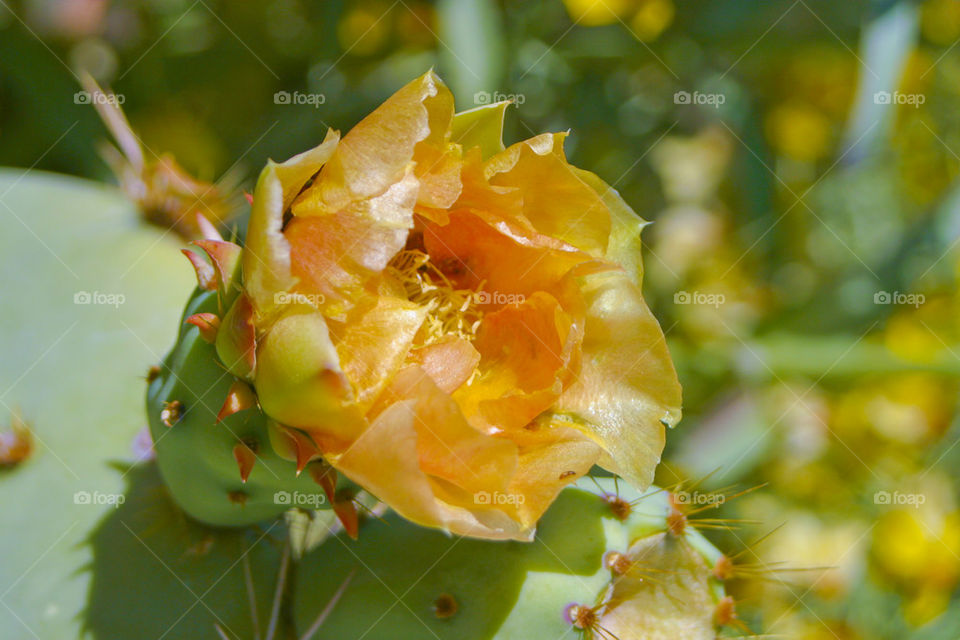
458, 327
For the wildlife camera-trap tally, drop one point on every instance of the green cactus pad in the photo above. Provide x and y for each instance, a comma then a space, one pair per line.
73, 365
158, 574
408, 582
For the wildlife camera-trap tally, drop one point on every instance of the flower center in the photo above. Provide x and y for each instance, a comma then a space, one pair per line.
450, 311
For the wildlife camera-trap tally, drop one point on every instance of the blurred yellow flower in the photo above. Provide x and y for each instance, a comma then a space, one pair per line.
364, 28
940, 21
921, 552
592, 13
799, 132
652, 18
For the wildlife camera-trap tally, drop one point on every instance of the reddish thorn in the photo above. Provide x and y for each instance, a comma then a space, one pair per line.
303, 447
206, 276
347, 514
223, 255
249, 197
245, 458
207, 230
306, 451
325, 476
346, 511
242, 331
208, 323
239, 397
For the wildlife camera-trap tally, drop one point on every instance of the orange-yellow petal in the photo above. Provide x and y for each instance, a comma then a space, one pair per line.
556, 201
551, 457
438, 170
529, 352
473, 253
627, 390
449, 363
391, 456
374, 346
377, 151
266, 255
339, 255
448, 447
624, 246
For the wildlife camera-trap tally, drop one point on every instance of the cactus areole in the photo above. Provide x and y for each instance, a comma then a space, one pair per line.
454, 326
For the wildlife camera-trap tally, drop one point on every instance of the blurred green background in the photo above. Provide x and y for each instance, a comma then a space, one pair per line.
799, 160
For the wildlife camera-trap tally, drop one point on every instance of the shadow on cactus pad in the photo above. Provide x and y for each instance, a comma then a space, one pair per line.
156, 573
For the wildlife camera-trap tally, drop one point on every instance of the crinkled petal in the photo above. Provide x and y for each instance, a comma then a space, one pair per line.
556, 200
449, 363
423, 460
438, 169
627, 389
266, 255
473, 253
339, 255
491, 202
529, 352
624, 246
551, 457
376, 152
374, 346
449, 448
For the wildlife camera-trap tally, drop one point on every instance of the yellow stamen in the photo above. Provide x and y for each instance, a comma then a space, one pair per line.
450, 311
